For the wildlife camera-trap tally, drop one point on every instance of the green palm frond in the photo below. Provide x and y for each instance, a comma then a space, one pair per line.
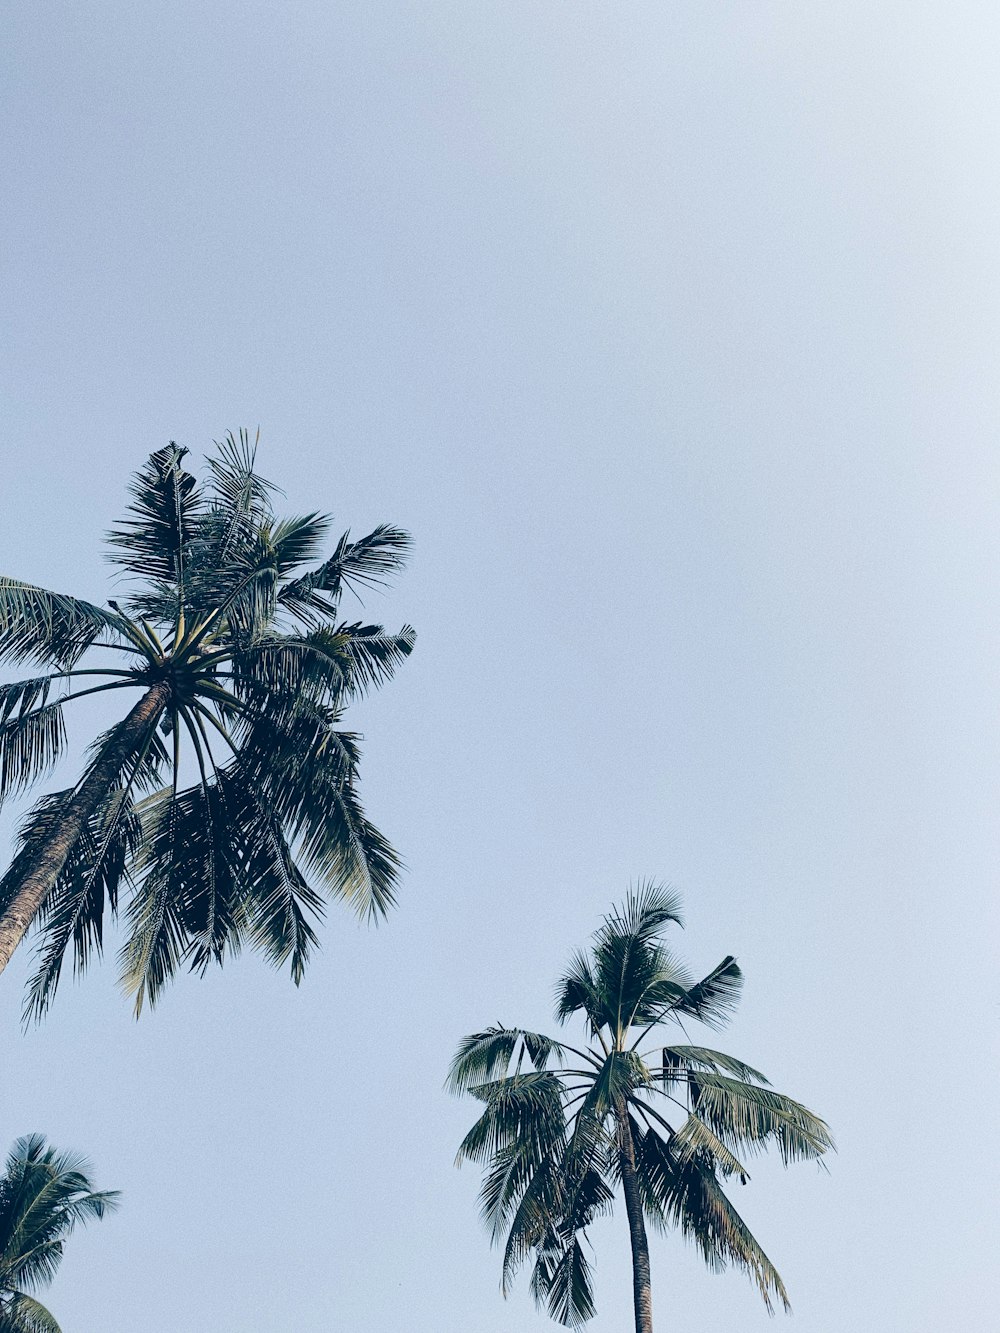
307, 770
484, 1056
577, 991
706, 1215
713, 1000
630, 966
569, 1289
23, 1314
49, 628
237, 493
678, 1059
368, 562
281, 901
215, 873
88, 885
751, 1118
31, 744
649, 908
153, 542
527, 1106
373, 655
297, 540
696, 1139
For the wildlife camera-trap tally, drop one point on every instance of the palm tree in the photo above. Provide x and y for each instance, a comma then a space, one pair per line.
565, 1125
43, 1194
225, 799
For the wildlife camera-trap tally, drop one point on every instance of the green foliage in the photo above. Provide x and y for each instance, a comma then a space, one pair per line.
44, 1194
562, 1123
236, 813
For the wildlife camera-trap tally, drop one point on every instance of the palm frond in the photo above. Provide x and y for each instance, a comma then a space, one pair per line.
628, 960
533, 1224
577, 991
649, 907
713, 999
484, 1056
749, 1117
373, 655
706, 1215
237, 491
696, 1139
677, 1060
296, 540
527, 1107
73, 913
153, 542
279, 899
367, 562
23, 1314
569, 1289
306, 770
31, 744
50, 628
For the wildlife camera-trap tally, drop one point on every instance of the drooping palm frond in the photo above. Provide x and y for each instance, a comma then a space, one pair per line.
751, 1118
678, 1059
690, 1196
50, 628
31, 744
23, 1314
73, 916
569, 1288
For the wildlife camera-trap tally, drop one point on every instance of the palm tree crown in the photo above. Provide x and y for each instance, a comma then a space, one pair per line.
226, 800
43, 1194
565, 1126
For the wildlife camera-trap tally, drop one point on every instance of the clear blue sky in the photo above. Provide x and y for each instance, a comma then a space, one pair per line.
670, 330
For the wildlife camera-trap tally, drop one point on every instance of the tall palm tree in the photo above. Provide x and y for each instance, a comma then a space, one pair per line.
566, 1125
43, 1195
225, 799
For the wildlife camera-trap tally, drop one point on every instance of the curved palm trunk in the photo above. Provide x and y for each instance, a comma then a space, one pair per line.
642, 1288
28, 891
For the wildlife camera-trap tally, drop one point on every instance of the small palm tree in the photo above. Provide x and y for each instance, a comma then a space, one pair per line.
43, 1194
669, 1124
229, 784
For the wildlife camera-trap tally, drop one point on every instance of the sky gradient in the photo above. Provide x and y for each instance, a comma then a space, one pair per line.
670, 333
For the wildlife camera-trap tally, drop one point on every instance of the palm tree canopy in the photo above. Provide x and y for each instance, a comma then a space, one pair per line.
232, 811
558, 1116
44, 1193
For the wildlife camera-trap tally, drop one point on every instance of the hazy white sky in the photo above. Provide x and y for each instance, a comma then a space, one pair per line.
670, 331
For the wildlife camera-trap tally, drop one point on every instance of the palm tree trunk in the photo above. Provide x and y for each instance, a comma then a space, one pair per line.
28, 890
642, 1287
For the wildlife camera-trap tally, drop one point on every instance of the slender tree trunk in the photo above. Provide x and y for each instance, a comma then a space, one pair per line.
25, 895
642, 1287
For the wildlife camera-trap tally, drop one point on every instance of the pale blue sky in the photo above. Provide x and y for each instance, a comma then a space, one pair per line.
670, 331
